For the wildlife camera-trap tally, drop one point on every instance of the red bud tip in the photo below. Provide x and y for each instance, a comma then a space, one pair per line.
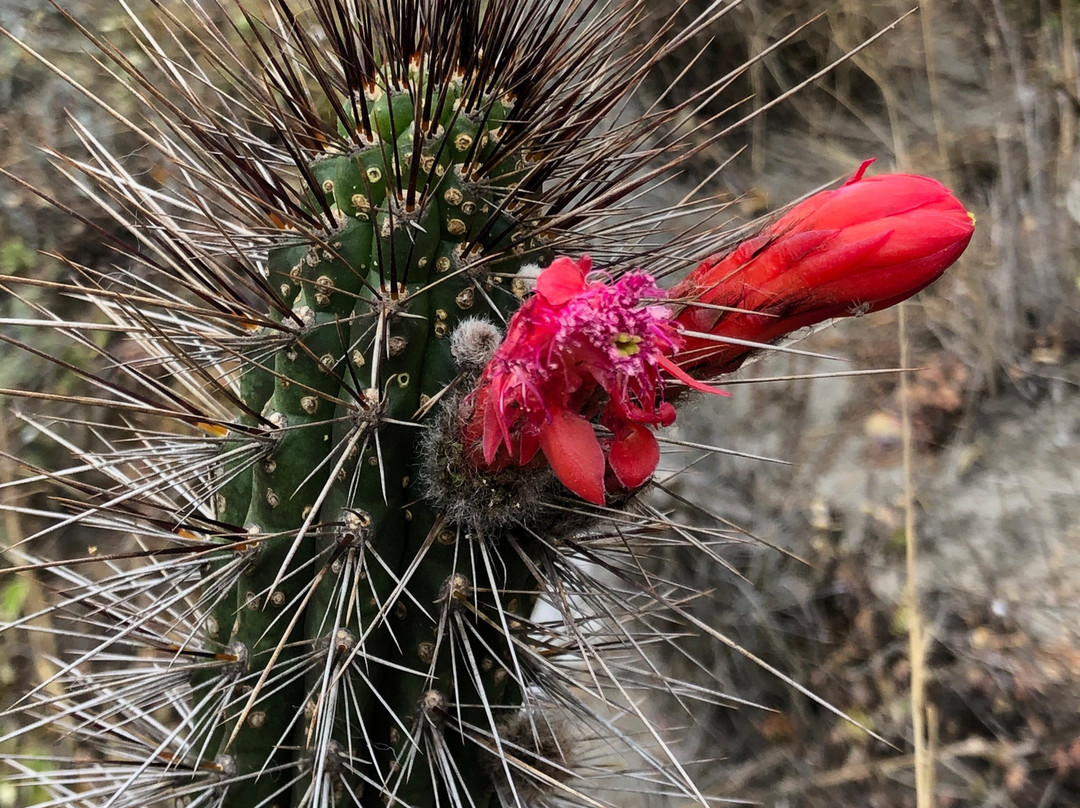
865, 246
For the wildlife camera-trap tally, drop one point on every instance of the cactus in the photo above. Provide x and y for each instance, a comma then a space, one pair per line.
319, 565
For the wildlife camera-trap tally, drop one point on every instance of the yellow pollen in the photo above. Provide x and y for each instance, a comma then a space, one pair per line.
627, 344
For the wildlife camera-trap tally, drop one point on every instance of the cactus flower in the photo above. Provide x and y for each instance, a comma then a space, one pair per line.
863, 247
581, 347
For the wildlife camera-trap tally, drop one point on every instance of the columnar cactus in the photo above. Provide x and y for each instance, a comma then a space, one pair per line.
333, 493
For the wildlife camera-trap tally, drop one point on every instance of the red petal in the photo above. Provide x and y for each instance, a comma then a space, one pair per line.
493, 433
686, 378
634, 456
496, 427
528, 446
564, 279
571, 447
861, 170
869, 200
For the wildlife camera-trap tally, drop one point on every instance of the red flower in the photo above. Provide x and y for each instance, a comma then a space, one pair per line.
578, 349
863, 247
586, 348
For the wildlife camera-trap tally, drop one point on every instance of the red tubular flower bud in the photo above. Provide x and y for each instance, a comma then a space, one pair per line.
863, 247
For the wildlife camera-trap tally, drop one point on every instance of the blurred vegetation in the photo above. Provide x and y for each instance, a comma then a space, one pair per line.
36, 107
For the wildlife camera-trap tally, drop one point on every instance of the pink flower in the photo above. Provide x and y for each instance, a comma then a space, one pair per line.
580, 348
862, 247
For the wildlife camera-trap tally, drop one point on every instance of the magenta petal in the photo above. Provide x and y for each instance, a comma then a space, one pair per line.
496, 428
634, 456
493, 434
571, 447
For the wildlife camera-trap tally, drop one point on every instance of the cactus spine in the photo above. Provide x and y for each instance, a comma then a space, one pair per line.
336, 609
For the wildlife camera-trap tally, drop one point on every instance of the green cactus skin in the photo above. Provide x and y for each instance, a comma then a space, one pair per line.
374, 302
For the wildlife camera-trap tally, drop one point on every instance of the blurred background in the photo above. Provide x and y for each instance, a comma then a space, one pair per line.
985, 96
